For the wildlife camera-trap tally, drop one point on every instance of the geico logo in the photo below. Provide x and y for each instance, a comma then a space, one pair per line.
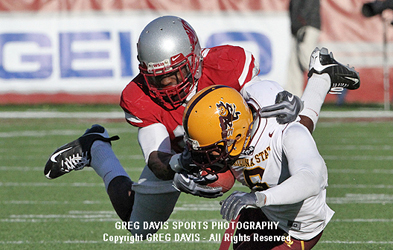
37, 55
101, 54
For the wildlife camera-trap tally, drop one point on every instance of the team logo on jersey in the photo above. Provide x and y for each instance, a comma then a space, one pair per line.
228, 115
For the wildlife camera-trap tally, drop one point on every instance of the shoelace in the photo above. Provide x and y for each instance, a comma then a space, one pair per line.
75, 162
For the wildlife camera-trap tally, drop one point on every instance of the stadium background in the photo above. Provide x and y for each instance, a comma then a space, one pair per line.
84, 51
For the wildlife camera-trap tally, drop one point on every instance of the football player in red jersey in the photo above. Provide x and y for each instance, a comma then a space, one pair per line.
173, 67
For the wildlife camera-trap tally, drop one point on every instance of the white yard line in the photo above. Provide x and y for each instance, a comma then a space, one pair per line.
356, 114
361, 186
361, 171
361, 199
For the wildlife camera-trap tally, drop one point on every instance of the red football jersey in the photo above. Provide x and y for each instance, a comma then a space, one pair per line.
225, 65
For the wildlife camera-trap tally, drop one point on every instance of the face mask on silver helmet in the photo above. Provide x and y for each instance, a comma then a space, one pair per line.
169, 46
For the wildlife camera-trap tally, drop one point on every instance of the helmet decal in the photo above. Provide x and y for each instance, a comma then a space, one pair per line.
191, 34
158, 65
227, 115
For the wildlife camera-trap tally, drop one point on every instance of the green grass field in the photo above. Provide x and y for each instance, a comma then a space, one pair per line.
74, 212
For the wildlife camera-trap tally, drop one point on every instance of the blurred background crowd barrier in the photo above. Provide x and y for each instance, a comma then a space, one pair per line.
84, 51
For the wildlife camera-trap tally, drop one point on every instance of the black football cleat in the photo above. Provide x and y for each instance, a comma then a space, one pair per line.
341, 76
76, 154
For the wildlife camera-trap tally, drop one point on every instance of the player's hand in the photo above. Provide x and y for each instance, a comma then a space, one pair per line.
286, 108
182, 162
231, 206
204, 179
196, 185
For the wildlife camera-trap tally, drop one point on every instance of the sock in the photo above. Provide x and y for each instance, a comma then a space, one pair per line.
122, 197
105, 162
314, 95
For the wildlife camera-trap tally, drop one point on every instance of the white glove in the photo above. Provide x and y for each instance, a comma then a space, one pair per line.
231, 206
197, 185
286, 108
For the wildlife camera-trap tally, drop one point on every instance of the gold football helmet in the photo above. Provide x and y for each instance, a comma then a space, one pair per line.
217, 122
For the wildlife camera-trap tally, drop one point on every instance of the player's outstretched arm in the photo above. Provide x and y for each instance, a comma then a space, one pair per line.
165, 165
156, 147
286, 108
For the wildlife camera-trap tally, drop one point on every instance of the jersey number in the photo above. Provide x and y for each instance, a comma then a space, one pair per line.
253, 177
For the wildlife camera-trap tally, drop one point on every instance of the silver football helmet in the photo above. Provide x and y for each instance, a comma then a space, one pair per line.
169, 46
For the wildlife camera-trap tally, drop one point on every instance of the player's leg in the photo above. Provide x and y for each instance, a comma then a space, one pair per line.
250, 238
295, 244
94, 149
154, 202
149, 200
325, 74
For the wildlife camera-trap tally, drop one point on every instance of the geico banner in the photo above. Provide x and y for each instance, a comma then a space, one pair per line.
96, 53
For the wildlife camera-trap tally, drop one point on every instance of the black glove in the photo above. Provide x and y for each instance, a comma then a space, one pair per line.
286, 108
196, 185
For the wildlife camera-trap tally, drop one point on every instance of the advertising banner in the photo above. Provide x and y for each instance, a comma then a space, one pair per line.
85, 51
96, 53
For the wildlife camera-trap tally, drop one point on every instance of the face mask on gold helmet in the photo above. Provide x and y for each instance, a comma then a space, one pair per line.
217, 122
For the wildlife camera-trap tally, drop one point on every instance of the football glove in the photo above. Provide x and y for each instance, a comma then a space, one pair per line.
231, 206
182, 162
286, 108
197, 185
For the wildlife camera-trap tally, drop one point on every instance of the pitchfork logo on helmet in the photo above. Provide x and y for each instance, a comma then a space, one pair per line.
228, 115
191, 34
